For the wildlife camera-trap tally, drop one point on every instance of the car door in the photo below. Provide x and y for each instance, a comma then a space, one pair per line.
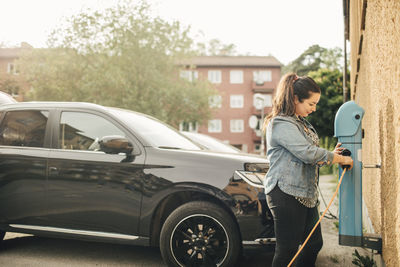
24, 148
88, 189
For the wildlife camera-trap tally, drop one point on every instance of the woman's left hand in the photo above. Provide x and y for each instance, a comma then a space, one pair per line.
338, 150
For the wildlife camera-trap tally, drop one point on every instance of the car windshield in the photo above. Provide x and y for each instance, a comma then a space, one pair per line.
157, 133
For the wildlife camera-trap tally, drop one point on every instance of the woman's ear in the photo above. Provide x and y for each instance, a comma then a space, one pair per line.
296, 100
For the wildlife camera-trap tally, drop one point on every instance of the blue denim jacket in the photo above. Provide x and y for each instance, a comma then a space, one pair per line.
292, 157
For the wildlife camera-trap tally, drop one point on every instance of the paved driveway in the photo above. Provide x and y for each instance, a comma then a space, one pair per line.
26, 250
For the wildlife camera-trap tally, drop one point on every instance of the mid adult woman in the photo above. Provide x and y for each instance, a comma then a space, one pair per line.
292, 180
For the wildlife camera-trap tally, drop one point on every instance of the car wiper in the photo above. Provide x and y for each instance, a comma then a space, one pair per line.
169, 147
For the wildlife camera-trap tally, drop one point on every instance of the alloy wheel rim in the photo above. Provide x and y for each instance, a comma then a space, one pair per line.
199, 240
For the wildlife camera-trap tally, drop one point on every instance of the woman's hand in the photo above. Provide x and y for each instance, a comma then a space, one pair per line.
342, 160
346, 160
338, 150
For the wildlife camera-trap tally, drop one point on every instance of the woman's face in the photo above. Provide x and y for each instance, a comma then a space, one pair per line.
308, 105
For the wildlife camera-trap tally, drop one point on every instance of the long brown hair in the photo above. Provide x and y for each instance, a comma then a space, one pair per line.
290, 86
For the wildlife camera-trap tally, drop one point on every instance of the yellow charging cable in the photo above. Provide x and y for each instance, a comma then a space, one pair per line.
323, 214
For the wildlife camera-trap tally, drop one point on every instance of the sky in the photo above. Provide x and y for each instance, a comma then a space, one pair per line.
281, 28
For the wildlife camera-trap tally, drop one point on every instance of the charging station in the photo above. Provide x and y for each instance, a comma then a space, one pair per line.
348, 130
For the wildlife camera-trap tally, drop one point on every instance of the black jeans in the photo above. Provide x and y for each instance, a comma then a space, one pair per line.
293, 222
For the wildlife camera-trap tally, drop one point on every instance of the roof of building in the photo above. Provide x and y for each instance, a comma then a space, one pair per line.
9, 52
13, 52
230, 61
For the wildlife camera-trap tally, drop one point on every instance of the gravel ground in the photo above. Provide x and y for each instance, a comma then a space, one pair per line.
332, 254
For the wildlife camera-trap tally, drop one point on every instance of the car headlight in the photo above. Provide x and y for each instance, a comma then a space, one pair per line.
253, 173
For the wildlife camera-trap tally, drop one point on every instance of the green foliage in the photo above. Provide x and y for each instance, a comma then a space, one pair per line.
10, 86
119, 57
315, 58
331, 84
336, 224
328, 143
215, 48
334, 259
324, 66
362, 261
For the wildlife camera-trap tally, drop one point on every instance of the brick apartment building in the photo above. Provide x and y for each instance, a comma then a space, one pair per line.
10, 80
237, 79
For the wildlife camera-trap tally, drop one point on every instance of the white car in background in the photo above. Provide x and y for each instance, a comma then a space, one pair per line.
6, 98
211, 143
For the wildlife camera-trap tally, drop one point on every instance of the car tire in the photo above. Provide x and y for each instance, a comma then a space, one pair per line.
2, 234
200, 233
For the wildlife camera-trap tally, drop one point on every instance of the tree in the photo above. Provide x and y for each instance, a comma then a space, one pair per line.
10, 86
331, 84
215, 48
119, 57
315, 58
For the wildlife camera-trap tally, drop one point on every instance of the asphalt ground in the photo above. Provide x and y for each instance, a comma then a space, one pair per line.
26, 250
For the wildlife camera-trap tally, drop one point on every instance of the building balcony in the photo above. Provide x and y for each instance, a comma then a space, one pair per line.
263, 88
257, 112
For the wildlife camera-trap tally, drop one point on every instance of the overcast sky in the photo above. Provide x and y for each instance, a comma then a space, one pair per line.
282, 28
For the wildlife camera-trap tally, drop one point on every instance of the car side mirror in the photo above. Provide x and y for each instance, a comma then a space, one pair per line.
115, 144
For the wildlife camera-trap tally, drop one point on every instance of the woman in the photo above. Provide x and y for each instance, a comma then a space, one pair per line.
292, 180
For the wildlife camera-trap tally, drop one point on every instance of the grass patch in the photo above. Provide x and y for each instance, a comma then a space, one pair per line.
363, 261
336, 224
334, 259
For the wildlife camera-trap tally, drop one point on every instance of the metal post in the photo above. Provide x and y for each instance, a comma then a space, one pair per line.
345, 89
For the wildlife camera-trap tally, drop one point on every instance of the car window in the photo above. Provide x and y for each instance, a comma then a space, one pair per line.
82, 131
24, 128
158, 134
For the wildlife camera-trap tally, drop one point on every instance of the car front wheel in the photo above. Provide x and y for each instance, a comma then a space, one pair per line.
200, 234
2, 234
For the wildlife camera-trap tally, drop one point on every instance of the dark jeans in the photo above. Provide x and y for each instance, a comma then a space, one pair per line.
293, 222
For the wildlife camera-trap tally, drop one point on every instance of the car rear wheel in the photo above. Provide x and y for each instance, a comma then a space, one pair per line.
200, 234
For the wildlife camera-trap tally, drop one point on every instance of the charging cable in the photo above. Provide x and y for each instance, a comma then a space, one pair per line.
323, 214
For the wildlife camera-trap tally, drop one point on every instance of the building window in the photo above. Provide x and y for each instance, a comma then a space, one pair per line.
267, 100
188, 126
237, 101
214, 126
237, 126
190, 75
215, 101
214, 76
261, 76
236, 76
12, 69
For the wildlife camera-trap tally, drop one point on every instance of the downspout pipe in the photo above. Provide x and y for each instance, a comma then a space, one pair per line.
346, 37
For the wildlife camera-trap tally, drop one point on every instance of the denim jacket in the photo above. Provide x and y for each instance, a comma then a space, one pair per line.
292, 157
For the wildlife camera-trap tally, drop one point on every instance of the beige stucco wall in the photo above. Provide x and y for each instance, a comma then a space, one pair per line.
377, 90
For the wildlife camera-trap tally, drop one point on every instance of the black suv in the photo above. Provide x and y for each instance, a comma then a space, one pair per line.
80, 170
